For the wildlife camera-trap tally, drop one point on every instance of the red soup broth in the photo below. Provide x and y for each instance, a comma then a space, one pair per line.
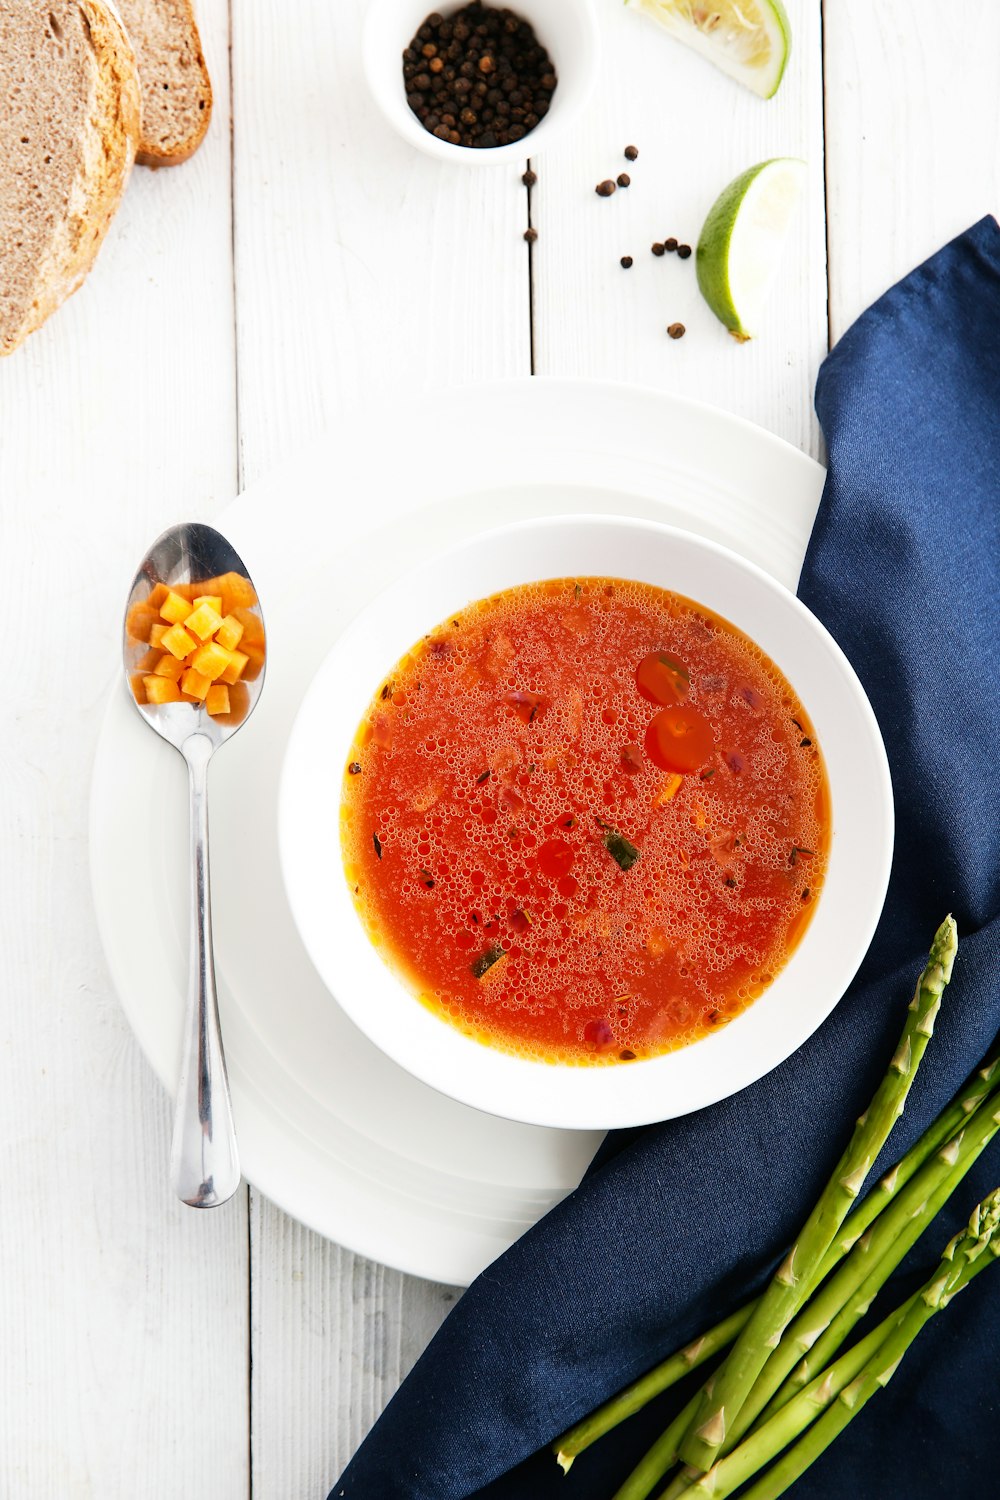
586, 820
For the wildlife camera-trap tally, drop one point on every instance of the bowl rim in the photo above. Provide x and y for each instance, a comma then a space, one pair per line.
536, 1092
409, 128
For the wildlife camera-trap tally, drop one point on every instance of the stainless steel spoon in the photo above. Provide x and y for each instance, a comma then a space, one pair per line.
204, 1162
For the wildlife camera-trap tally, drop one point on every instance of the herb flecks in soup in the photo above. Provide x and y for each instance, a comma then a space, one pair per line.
586, 820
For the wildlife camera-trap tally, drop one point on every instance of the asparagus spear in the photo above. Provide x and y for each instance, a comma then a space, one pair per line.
825, 1343
798, 1274
635, 1396
666, 1374
822, 1325
970, 1252
757, 1450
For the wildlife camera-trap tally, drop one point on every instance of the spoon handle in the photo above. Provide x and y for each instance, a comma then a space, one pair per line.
204, 1162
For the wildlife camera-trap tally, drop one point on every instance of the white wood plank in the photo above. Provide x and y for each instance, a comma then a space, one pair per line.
695, 130
359, 264
912, 138
334, 1334
123, 1317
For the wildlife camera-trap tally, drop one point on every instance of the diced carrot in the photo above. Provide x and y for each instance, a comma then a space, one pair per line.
136, 682
148, 660
234, 671
194, 683
175, 608
178, 642
203, 621
217, 699
161, 690
214, 601
157, 594
237, 592
139, 621
169, 666
212, 660
253, 626
229, 633
156, 633
668, 790
255, 660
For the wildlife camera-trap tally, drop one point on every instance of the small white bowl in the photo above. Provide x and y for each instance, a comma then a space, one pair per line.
566, 28
581, 1097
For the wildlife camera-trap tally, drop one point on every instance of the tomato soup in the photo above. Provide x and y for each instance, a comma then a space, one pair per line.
586, 820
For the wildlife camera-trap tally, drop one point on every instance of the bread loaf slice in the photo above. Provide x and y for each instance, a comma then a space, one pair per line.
176, 89
69, 128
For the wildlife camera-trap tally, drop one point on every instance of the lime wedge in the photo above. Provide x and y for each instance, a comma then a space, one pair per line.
748, 39
740, 246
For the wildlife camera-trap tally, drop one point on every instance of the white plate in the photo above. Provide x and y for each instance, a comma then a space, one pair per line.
330, 1129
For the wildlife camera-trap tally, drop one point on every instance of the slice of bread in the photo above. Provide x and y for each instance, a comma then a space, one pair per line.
176, 89
69, 128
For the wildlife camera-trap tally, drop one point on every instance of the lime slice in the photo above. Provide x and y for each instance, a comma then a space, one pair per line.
748, 39
740, 246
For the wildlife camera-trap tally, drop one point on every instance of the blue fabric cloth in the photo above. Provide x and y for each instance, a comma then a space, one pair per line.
676, 1225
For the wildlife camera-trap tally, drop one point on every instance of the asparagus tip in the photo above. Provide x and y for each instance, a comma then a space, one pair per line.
945, 945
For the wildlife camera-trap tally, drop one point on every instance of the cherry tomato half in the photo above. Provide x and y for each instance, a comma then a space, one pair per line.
662, 678
679, 739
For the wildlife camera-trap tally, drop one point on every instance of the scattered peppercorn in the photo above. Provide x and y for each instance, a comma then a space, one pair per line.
478, 77
529, 178
624, 180
354, 769
657, 248
676, 330
670, 244
626, 262
605, 189
631, 152
531, 235
683, 251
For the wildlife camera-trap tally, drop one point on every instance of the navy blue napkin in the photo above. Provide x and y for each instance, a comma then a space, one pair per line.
675, 1225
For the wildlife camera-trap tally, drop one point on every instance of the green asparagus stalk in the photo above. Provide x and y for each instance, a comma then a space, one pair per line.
799, 1272
757, 1450
827, 1319
660, 1458
817, 1353
666, 1374
970, 1252
635, 1396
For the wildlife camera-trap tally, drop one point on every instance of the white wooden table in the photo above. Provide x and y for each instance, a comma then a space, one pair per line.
304, 253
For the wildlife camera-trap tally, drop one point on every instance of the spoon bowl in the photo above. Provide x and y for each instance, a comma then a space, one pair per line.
188, 561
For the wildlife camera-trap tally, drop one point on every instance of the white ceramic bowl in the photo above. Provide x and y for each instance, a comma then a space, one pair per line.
567, 28
581, 1097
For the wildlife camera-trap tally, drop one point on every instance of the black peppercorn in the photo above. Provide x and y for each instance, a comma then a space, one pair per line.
683, 251
605, 189
670, 244
531, 235
479, 78
624, 180
676, 330
529, 178
657, 248
626, 261
631, 152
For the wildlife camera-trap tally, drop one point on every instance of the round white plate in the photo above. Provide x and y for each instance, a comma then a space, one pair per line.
330, 1129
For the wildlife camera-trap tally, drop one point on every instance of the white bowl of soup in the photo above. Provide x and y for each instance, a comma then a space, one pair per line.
586, 822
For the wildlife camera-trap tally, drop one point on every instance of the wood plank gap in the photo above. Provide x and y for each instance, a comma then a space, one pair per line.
236, 318
250, 1270
531, 278
826, 174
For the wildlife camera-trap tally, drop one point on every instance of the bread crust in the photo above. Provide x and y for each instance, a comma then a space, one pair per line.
109, 143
